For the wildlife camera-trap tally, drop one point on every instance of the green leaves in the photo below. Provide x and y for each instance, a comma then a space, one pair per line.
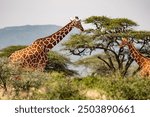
105, 23
120, 23
139, 35
98, 21
6, 52
79, 40
60, 63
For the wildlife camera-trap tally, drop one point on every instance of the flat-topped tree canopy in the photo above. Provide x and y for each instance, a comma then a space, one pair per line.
105, 38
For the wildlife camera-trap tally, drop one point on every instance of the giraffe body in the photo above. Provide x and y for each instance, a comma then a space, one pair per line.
30, 58
35, 55
143, 62
145, 70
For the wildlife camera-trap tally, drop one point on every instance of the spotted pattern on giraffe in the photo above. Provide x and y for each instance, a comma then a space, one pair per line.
143, 62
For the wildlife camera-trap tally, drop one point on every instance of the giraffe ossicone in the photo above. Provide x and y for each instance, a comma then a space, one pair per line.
35, 55
142, 61
75, 18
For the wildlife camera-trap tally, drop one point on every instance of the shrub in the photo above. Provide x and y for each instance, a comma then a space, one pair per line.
58, 62
16, 80
118, 88
4, 73
58, 87
6, 52
23, 84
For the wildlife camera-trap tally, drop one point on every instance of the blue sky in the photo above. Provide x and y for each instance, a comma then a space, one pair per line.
31, 12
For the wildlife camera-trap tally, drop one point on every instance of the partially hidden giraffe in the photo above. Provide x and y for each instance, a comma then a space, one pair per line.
142, 61
35, 55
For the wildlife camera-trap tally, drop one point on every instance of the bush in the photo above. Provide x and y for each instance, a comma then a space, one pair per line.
26, 83
6, 52
23, 84
58, 87
58, 62
4, 73
15, 80
118, 88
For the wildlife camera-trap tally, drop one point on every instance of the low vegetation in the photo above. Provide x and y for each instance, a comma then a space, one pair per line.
22, 84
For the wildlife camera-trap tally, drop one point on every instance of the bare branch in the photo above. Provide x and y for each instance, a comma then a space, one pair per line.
104, 61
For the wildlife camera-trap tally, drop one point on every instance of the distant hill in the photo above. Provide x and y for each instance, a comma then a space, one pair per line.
25, 35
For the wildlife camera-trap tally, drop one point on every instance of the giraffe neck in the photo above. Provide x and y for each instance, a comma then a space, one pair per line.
60, 34
138, 57
52, 40
49, 42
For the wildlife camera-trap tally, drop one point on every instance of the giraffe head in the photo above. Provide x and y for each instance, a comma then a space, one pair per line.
124, 42
77, 23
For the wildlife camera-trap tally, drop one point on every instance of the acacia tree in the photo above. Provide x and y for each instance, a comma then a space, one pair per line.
104, 37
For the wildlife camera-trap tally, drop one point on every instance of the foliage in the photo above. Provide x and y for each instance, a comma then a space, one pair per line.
58, 62
97, 67
118, 88
15, 79
4, 73
23, 84
103, 22
104, 37
6, 52
78, 40
59, 87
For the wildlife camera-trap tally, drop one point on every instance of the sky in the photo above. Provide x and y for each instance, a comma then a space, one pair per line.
58, 12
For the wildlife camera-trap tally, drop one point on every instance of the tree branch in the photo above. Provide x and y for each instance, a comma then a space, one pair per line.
104, 62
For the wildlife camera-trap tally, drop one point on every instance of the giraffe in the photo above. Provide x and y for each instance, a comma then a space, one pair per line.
143, 62
35, 55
